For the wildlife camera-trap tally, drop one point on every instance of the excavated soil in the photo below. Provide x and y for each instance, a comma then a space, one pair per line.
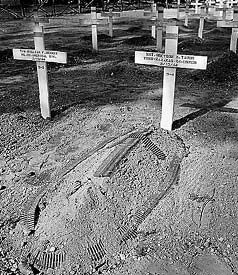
100, 188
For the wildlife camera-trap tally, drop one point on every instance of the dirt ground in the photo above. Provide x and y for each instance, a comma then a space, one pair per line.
100, 188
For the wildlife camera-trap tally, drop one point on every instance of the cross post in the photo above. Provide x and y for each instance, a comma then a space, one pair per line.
196, 5
201, 22
41, 56
186, 13
170, 60
94, 29
234, 33
93, 21
110, 16
223, 9
154, 14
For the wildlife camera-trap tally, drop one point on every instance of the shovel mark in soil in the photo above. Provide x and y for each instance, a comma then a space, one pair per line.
28, 215
109, 164
76, 162
49, 259
97, 251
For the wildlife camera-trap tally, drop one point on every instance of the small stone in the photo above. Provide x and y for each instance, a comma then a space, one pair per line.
52, 249
123, 257
220, 239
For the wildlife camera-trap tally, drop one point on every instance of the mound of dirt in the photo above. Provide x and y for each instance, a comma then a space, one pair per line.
101, 37
222, 69
97, 208
134, 29
126, 70
144, 40
190, 43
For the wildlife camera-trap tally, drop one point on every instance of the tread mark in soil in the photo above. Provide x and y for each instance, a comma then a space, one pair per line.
97, 251
153, 148
29, 211
46, 260
130, 234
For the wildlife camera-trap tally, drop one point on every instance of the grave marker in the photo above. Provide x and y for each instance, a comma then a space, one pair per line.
94, 29
170, 60
224, 10
157, 26
234, 33
186, 14
154, 17
41, 56
196, 6
110, 16
93, 21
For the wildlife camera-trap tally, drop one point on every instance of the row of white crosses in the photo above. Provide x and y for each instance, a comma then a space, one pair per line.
41, 57
170, 60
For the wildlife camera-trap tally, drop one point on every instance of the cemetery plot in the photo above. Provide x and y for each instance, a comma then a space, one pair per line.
117, 194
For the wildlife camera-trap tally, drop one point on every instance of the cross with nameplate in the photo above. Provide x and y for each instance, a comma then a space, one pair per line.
170, 60
110, 16
41, 56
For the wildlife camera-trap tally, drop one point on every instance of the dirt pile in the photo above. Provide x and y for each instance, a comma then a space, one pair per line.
95, 214
128, 71
222, 69
144, 40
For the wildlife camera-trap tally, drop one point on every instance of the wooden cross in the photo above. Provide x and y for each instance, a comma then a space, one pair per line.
110, 16
154, 17
196, 5
93, 21
171, 61
186, 14
41, 56
234, 33
210, 7
157, 25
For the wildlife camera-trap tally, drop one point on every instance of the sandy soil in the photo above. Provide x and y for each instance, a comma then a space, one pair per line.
100, 188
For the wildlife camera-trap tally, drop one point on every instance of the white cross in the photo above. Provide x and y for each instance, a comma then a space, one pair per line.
110, 16
171, 61
41, 56
234, 34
